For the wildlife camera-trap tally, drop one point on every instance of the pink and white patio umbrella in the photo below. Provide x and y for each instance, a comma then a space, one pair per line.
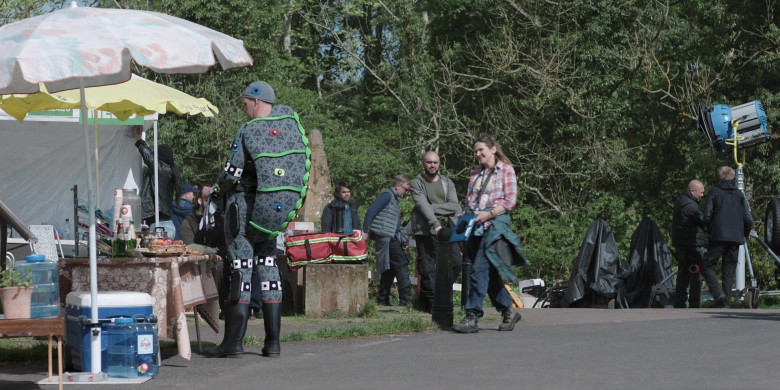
82, 47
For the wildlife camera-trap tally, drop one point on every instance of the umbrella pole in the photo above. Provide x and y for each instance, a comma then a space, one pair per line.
97, 159
156, 180
95, 336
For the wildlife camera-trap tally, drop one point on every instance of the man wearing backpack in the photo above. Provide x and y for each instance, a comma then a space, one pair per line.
727, 214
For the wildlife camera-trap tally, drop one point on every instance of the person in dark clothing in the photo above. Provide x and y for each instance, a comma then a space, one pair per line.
687, 225
435, 206
182, 208
168, 186
383, 223
206, 227
727, 214
341, 215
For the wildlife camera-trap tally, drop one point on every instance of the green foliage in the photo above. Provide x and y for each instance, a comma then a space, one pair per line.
14, 10
593, 101
11, 278
369, 310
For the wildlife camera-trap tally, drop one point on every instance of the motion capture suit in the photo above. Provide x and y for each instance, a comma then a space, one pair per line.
264, 181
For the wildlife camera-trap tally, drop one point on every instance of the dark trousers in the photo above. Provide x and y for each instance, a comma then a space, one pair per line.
685, 258
257, 294
730, 253
426, 267
399, 269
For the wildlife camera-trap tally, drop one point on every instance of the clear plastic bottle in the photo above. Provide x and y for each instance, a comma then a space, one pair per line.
122, 352
66, 230
46, 295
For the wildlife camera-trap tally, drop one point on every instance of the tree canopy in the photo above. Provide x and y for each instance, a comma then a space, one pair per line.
593, 101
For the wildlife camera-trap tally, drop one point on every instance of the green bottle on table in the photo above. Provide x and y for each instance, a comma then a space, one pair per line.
118, 248
131, 241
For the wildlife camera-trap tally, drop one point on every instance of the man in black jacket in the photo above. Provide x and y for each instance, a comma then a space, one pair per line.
687, 225
727, 214
169, 183
341, 215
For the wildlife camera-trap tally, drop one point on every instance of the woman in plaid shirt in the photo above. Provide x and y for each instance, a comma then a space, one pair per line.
492, 193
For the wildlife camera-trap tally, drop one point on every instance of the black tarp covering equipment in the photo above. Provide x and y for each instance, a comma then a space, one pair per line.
594, 279
601, 279
649, 263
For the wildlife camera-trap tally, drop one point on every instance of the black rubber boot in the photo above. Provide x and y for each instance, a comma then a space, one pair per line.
385, 284
232, 346
272, 320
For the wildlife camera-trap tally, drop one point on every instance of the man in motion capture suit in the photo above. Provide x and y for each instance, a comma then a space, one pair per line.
264, 182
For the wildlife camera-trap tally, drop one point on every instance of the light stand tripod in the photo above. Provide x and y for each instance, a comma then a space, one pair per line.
751, 293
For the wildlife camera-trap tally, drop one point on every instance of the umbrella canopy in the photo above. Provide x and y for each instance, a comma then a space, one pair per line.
138, 96
83, 46
87, 47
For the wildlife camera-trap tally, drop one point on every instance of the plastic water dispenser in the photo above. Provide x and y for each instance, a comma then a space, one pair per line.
46, 295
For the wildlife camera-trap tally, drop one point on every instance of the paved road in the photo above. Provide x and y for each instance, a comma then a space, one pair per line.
549, 349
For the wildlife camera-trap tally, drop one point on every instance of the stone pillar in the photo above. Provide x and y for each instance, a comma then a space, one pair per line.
316, 290
331, 287
320, 189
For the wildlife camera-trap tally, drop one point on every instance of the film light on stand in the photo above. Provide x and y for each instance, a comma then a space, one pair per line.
716, 123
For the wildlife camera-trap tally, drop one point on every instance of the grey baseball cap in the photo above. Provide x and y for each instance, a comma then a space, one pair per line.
260, 90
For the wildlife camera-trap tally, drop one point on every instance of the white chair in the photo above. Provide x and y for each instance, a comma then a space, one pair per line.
47, 242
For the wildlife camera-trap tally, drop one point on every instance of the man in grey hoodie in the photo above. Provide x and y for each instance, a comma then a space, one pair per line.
435, 206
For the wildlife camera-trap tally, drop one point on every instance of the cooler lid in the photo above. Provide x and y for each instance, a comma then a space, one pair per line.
109, 299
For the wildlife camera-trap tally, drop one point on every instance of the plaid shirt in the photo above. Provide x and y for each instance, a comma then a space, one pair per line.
501, 190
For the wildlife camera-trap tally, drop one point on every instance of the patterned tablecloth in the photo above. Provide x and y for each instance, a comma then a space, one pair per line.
175, 284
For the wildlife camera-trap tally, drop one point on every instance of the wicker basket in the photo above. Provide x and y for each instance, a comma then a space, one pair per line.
175, 249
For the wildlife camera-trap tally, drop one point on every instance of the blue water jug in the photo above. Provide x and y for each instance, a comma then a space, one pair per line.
46, 295
122, 343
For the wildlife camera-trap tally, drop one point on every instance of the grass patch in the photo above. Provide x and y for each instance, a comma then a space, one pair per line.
410, 324
769, 302
369, 310
23, 350
390, 326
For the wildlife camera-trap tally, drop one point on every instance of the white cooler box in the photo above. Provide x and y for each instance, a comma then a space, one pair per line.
111, 304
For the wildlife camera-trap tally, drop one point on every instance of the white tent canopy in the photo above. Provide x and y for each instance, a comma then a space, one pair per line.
43, 158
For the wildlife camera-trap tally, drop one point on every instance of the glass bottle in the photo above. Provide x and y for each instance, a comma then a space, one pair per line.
131, 242
118, 249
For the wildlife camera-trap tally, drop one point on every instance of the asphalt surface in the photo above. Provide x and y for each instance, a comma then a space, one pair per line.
549, 349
